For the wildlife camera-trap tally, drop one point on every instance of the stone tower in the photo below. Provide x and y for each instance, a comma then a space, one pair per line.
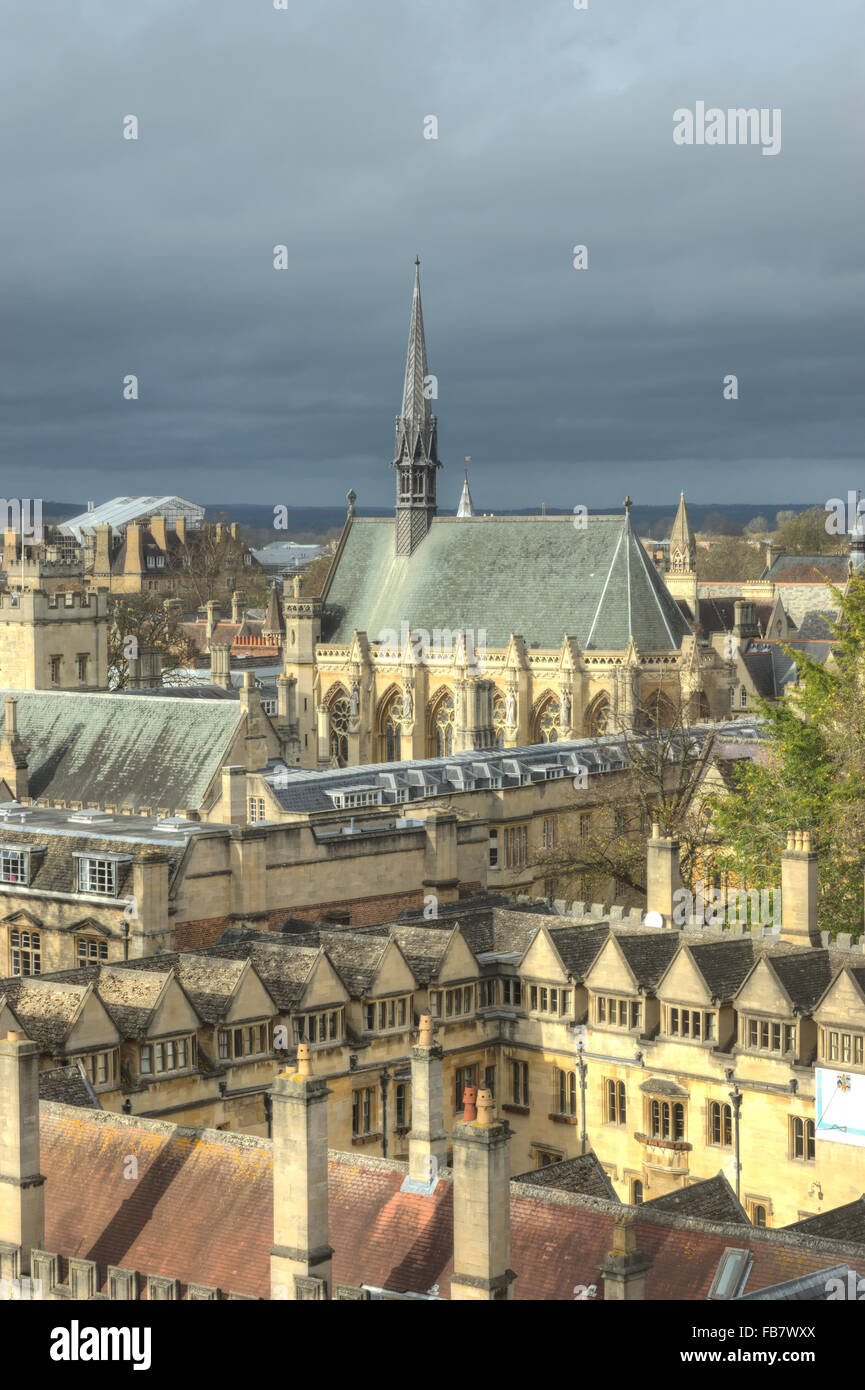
416, 451
681, 573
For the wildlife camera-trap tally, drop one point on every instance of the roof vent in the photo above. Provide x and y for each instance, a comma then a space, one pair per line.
13, 810
93, 817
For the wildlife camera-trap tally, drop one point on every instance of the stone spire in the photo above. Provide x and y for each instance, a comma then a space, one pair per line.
416, 450
273, 620
683, 542
466, 506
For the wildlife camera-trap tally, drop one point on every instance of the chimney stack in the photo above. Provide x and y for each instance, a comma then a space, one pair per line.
220, 665
799, 885
180, 528
237, 607
213, 617
301, 1258
663, 878
482, 1201
427, 1140
13, 757
22, 1198
624, 1269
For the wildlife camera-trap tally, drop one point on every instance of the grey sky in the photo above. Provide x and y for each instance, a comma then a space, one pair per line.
305, 127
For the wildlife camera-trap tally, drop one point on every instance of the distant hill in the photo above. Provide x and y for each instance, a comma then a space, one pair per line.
320, 519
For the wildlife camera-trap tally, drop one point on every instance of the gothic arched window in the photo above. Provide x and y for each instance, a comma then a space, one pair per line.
598, 716
660, 713
548, 721
337, 709
441, 726
390, 728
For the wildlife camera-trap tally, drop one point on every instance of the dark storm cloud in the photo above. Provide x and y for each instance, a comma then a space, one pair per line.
305, 127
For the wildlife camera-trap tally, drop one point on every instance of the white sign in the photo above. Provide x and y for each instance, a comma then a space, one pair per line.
840, 1117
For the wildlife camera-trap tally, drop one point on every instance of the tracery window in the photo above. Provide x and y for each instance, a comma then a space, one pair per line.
499, 718
598, 716
390, 726
338, 711
441, 726
548, 721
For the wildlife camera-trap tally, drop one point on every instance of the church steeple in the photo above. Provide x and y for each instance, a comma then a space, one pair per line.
683, 542
466, 506
416, 451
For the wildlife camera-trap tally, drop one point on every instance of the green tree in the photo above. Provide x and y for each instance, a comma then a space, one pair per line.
812, 778
731, 558
757, 526
805, 533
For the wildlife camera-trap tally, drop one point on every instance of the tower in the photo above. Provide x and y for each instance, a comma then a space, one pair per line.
681, 576
466, 506
416, 449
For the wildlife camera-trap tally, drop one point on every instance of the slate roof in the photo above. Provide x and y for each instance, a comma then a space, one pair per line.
578, 946
201, 1212
771, 668
711, 1200
55, 870
843, 1223
805, 975
718, 614
69, 1086
284, 969
131, 995
584, 1174
130, 752
808, 569
505, 930
45, 1009
423, 949
648, 956
723, 965
595, 585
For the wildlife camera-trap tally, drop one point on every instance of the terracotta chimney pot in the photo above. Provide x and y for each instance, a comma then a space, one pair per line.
304, 1064
486, 1108
470, 1095
425, 1037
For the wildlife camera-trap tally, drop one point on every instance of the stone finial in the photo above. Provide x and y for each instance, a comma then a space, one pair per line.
304, 1063
486, 1107
470, 1113
425, 1036
351, 498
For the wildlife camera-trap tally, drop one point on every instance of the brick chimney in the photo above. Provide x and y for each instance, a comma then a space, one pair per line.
22, 1197
799, 890
13, 758
301, 1258
482, 1214
663, 879
427, 1140
624, 1269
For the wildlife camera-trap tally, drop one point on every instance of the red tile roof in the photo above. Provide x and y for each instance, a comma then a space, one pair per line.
200, 1210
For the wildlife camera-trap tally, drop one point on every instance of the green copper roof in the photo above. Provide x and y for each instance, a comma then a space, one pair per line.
123, 750
538, 577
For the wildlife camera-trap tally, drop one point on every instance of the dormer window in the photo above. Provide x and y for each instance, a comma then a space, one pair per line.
97, 876
611, 1011
387, 1015
695, 1024
14, 866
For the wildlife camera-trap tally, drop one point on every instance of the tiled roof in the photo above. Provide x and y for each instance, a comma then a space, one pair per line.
712, 1200
131, 995
201, 1211
423, 949
595, 584
584, 1174
45, 1009
131, 751
648, 956
67, 1085
808, 569
723, 965
578, 946
55, 870
843, 1223
805, 975
284, 966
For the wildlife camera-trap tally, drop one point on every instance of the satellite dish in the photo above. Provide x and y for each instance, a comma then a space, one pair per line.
653, 919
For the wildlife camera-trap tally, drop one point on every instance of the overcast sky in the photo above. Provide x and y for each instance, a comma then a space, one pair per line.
306, 127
